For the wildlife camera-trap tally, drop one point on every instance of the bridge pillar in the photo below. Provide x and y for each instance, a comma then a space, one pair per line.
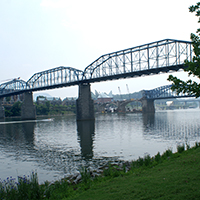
148, 106
121, 107
84, 103
2, 111
28, 111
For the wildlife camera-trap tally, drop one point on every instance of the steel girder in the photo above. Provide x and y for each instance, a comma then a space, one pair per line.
54, 77
152, 58
163, 92
10, 87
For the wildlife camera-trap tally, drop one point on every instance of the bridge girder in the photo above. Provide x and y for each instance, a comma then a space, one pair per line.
56, 76
10, 87
163, 92
152, 58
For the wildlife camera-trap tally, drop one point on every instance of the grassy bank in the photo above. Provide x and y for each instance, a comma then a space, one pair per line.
166, 176
176, 178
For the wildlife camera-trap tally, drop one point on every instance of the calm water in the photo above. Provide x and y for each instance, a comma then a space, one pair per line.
60, 147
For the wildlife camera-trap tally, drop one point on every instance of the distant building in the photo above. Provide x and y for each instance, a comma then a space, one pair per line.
69, 101
104, 98
52, 100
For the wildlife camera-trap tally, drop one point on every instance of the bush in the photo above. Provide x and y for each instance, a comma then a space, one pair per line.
180, 148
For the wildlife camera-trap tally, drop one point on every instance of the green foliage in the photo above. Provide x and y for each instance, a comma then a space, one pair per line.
158, 157
15, 110
178, 178
180, 148
147, 160
197, 144
140, 162
43, 109
26, 188
48, 109
193, 67
167, 154
85, 175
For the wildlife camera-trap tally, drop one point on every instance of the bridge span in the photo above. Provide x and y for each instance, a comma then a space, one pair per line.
153, 58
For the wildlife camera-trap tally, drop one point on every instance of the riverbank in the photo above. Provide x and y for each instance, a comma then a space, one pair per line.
175, 178
166, 176
43, 116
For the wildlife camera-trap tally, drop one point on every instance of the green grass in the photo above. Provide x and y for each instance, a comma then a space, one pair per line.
176, 178
167, 176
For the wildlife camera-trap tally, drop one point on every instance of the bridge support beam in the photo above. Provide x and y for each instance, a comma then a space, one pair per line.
84, 103
2, 111
28, 111
148, 106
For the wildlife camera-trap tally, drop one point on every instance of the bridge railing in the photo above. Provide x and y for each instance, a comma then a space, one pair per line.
142, 59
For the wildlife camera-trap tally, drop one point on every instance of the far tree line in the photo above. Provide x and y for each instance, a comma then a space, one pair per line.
41, 109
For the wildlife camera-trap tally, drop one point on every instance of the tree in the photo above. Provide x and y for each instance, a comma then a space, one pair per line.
16, 109
193, 67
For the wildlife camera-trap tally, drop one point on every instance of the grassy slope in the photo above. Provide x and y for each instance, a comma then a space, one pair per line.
178, 178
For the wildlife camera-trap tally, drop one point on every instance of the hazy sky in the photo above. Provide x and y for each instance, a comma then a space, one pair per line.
36, 35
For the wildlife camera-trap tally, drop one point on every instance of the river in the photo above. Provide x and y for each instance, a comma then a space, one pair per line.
60, 147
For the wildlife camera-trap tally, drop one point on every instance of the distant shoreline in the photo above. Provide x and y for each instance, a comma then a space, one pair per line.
38, 116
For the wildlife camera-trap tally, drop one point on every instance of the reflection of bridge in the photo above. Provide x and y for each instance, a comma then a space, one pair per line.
153, 58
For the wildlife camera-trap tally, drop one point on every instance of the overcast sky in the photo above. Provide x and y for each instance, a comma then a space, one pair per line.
36, 35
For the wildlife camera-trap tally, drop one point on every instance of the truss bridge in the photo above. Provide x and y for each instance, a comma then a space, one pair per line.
153, 58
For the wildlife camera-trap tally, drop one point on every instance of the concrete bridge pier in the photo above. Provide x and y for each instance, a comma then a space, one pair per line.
84, 103
2, 111
121, 107
148, 105
28, 111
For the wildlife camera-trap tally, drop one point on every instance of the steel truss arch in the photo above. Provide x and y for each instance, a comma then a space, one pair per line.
164, 92
56, 76
152, 58
13, 86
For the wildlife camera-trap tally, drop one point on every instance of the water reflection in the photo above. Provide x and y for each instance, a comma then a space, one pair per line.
17, 134
85, 131
172, 125
60, 147
148, 119
28, 129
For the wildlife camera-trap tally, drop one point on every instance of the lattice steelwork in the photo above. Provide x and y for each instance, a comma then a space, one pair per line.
57, 76
12, 86
152, 58
163, 92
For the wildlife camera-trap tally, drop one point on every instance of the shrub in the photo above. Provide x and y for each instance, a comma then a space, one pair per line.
180, 148
158, 157
147, 160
